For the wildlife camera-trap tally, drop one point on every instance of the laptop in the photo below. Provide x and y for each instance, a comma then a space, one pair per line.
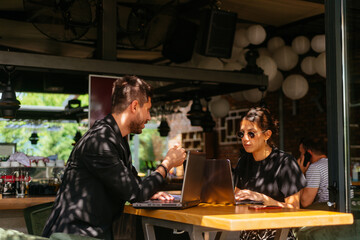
191, 187
218, 184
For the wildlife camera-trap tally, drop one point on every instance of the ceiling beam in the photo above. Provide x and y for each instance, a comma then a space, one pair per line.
159, 73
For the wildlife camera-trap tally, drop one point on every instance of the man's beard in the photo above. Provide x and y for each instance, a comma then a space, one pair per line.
136, 127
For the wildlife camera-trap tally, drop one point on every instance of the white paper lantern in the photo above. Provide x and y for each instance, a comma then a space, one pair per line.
318, 43
268, 65
256, 34
253, 95
264, 52
235, 55
238, 96
274, 43
308, 65
320, 64
219, 108
285, 58
300, 45
276, 82
240, 39
233, 66
295, 86
211, 63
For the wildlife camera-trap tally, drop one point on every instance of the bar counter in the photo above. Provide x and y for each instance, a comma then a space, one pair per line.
12, 202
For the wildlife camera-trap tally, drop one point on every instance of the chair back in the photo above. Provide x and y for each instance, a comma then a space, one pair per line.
36, 217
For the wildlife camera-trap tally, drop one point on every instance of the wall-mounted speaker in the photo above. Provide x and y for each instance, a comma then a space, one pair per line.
216, 34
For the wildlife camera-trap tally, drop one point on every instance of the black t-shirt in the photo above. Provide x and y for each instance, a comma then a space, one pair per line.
277, 176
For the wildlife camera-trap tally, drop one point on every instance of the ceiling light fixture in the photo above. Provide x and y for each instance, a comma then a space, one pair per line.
8, 103
34, 138
196, 114
164, 128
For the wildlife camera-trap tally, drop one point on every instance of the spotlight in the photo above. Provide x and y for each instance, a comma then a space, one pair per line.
34, 138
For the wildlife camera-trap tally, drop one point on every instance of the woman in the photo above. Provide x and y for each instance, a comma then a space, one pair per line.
265, 173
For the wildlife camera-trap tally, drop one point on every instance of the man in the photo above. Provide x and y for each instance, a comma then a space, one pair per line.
316, 192
99, 177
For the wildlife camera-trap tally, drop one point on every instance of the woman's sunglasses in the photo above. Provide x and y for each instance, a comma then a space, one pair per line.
250, 134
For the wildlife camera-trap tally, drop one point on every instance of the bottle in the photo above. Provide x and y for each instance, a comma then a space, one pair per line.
26, 183
355, 176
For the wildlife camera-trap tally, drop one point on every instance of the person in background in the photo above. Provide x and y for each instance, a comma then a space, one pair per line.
316, 192
99, 177
265, 173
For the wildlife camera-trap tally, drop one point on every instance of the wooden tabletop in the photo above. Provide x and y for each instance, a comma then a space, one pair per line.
7, 203
234, 218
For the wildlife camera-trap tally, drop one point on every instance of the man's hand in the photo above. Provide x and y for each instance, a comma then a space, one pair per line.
162, 196
300, 161
174, 157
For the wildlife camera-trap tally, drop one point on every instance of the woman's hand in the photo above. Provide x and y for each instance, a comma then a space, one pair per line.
248, 194
162, 196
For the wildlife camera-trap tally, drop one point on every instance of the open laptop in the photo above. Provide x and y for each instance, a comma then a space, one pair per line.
191, 187
218, 184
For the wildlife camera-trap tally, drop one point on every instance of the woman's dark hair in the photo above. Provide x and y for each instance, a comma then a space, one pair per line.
127, 89
263, 118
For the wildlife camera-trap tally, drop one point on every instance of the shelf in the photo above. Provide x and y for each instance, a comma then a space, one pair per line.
193, 141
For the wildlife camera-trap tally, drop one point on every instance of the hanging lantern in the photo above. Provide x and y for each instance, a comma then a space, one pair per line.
285, 58
268, 65
320, 64
196, 113
253, 95
274, 43
308, 65
276, 82
164, 128
240, 39
8, 103
220, 107
295, 86
300, 45
34, 138
318, 43
256, 34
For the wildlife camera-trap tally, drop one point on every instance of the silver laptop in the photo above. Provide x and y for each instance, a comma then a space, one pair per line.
191, 187
218, 184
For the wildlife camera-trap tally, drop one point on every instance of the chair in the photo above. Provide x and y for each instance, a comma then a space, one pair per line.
36, 217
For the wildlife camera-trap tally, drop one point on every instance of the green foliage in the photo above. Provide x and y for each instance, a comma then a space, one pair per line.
151, 149
50, 142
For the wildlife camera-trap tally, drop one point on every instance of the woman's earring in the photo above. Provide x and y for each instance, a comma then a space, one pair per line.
265, 141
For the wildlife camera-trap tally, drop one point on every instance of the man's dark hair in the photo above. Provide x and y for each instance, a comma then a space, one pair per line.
127, 89
315, 145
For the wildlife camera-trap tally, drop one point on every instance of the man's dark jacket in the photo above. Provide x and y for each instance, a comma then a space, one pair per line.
99, 178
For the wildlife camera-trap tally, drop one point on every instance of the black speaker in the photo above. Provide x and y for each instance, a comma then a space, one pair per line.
216, 34
180, 41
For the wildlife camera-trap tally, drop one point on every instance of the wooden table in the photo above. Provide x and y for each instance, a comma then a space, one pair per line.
229, 218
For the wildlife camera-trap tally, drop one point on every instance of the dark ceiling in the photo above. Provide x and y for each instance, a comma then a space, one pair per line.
40, 27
